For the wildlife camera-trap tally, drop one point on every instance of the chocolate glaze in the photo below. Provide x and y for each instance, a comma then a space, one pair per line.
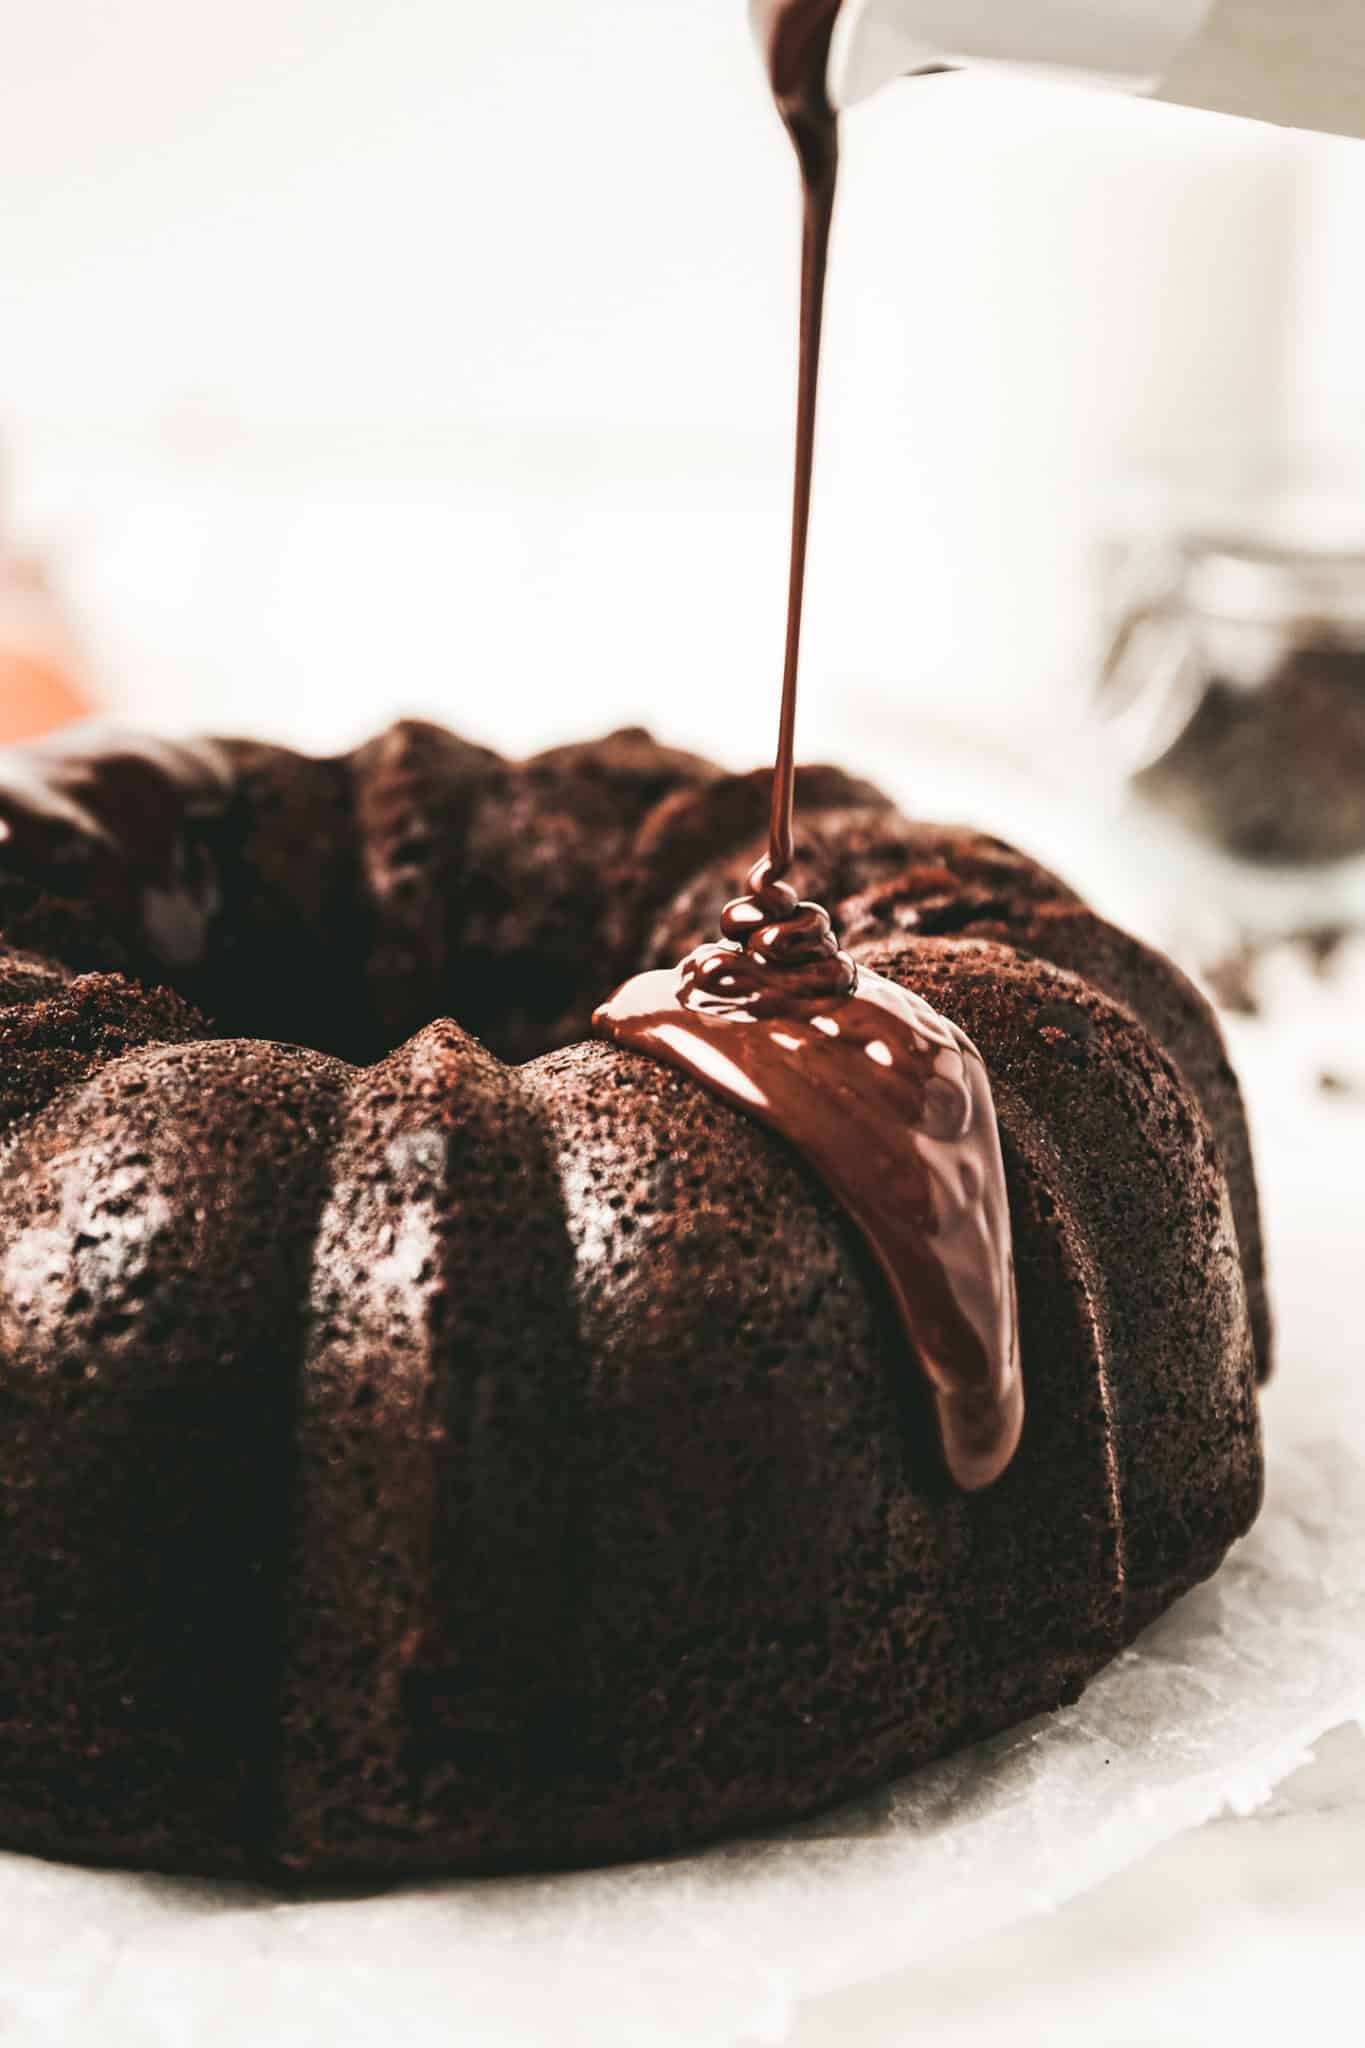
888, 1101
123, 809
891, 1105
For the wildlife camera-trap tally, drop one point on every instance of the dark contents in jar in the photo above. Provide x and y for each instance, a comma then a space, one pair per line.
1234, 978
1278, 773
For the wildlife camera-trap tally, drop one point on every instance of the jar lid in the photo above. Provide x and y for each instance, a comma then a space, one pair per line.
1249, 581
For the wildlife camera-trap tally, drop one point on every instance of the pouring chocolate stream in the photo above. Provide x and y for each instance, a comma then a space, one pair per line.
888, 1101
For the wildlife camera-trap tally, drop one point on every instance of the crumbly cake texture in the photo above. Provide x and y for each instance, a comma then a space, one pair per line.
457, 1446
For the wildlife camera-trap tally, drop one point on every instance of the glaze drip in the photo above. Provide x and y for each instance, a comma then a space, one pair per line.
774, 950
891, 1105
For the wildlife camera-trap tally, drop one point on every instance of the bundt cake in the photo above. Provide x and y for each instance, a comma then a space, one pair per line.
439, 1445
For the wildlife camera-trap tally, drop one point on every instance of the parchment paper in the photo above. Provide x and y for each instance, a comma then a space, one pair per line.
1221, 1700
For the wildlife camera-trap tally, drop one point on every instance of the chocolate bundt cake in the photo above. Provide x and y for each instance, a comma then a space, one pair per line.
439, 1445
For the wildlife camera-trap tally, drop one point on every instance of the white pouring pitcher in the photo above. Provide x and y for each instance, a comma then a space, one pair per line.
1299, 63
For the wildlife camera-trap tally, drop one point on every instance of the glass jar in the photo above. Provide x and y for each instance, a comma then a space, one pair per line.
1235, 681
1235, 684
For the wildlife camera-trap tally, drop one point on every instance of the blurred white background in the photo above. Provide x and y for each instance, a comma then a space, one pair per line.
358, 359
434, 357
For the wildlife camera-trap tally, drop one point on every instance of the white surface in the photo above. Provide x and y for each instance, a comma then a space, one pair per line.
1245, 1933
